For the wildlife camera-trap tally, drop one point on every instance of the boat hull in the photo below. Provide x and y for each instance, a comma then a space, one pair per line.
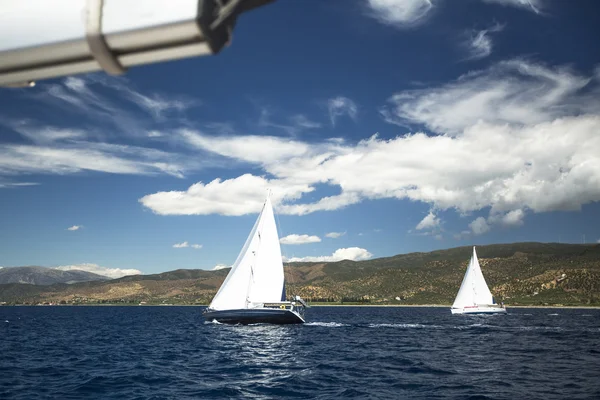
479, 310
254, 316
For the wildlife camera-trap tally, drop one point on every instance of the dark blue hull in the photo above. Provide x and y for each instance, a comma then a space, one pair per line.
254, 316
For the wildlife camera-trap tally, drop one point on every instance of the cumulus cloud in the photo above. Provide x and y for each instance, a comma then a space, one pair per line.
512, 218
299, 239
350, 253
518, 137
220, 266
532, 5
429, 222
196, 246
335, 235
223, 197
340, 106
112, 273
479, 226
479, 43
543, 167
400, 13
75, 228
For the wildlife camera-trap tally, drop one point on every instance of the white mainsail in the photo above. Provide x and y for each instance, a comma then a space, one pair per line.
256, 277
474, 290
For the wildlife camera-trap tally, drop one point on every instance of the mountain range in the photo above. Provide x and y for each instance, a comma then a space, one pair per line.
517, 273
35, 275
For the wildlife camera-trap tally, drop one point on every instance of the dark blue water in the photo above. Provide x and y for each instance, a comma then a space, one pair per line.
343, 352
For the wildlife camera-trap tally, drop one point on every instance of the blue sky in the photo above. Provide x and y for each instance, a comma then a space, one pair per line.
381, 127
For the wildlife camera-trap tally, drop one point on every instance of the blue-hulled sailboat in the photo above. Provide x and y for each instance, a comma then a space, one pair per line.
254, 290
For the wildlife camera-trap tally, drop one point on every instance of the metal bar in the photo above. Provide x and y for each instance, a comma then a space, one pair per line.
90, 65
112, 35
95, 39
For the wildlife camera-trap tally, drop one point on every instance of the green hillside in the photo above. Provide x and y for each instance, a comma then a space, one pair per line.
517, 273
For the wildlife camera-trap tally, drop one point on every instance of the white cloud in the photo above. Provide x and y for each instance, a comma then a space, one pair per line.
250, 148
598, 241
340, 106
479, 44
299, 239
75, 228
429, 222
543, 167
515, 92
532, 5
410, 13
223, 197
220, 266
8, 185
513, 218
350, 253
112, 273
400, 13
479, 226
335, 235
80, 93
46, 134
516, 138
100, 107
106, 101
76, 156
185, 244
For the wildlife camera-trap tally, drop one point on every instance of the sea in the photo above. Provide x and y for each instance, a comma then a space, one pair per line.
144, 352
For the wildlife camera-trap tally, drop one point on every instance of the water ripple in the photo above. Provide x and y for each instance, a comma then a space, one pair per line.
342, 352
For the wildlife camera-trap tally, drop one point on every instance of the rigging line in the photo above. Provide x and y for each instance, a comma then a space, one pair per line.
251, 280
256, 249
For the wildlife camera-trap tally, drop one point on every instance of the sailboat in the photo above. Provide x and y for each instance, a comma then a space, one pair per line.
254, 290
474, 296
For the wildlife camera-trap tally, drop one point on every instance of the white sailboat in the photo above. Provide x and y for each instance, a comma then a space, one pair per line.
474, 296
254, 289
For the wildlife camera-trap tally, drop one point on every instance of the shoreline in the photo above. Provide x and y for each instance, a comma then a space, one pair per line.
311, 305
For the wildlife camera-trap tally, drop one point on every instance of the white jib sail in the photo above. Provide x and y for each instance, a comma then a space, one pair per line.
473, 290
256, 277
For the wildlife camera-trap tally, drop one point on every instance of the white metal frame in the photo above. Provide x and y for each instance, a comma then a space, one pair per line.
41, 39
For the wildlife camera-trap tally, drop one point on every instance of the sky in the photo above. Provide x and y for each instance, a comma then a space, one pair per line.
381, 127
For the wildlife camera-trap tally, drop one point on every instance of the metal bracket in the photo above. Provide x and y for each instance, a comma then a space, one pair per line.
95, 39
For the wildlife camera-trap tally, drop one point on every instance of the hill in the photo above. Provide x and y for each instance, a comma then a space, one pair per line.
33, 275
517, 273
